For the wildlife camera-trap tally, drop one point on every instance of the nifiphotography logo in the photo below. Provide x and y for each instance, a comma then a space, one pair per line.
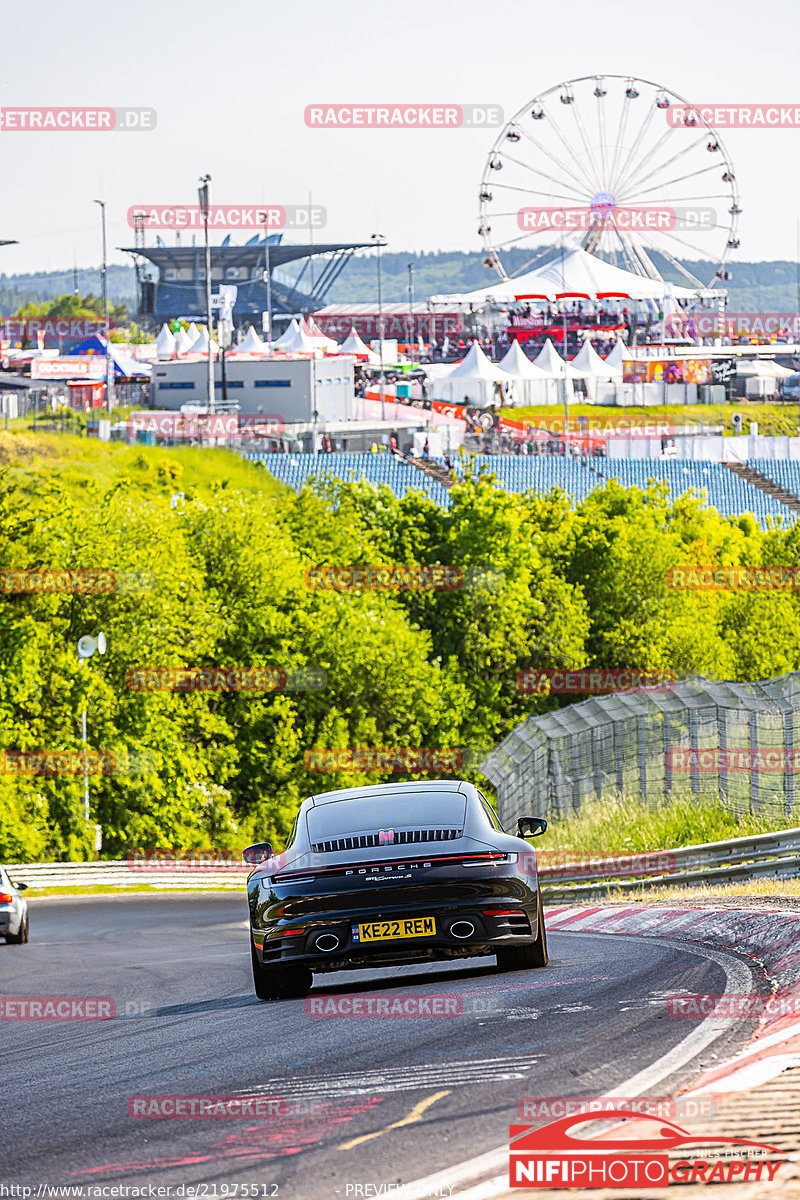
551, 1156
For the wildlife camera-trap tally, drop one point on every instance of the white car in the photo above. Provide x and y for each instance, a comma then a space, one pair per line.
13, 910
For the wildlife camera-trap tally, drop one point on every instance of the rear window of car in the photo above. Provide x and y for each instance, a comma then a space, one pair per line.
368, 814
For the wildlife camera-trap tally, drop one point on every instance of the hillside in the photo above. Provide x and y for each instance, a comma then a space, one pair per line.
755, 287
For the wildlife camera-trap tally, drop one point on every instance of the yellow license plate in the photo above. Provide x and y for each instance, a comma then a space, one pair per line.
389, 931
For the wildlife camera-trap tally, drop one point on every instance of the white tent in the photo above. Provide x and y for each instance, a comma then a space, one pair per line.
475, 381
287, 337
193, 332
550, 361
251, 343
201, 345
573, 274
320, 339
165, 342
587, 359
534, 386
618, 355
296, 341
354, 345
183, 341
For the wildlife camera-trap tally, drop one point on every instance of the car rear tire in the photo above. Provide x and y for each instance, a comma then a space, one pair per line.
21, 937
523, 958
279, 981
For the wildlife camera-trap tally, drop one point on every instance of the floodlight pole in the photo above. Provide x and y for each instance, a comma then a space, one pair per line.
203, 194
104, 272
377, 237
269, 294
411, 311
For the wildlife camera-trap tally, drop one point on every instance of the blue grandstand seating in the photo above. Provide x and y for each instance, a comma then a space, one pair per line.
726, 492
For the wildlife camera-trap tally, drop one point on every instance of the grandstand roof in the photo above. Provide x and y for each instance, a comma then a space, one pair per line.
251, 257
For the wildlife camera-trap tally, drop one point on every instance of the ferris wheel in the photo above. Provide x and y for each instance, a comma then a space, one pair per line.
622, 167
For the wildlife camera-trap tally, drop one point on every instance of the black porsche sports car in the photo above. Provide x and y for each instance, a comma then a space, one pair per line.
396, 873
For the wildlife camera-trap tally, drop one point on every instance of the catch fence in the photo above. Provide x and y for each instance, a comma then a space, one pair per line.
736, 742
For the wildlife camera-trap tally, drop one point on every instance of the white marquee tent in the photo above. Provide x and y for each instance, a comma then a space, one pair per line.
183, 341
533, 385
251, 343
201, 345
165, 342
475, 381
574, 274
618, 355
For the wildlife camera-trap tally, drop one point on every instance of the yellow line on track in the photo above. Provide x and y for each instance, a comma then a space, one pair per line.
414, 1116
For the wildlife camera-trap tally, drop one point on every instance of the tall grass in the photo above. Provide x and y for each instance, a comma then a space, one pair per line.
629, 825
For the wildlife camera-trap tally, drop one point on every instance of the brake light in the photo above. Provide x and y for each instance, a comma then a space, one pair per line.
292, 932
6, 898
499, 912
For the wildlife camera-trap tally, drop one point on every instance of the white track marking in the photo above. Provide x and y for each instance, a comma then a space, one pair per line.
737, 980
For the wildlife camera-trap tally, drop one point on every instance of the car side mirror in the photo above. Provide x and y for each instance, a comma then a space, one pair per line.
21, 887
257, 853
531, 826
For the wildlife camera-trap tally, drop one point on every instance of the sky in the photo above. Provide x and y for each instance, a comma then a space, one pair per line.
230, 85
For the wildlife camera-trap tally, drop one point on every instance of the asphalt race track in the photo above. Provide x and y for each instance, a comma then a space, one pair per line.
188, 1024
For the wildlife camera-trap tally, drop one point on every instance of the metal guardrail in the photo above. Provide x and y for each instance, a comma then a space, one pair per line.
122, 874
762, 856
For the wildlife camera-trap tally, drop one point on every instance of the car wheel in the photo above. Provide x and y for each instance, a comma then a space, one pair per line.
19, 939
280, 981
523, 958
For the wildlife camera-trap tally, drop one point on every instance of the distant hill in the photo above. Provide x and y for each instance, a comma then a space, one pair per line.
755, 286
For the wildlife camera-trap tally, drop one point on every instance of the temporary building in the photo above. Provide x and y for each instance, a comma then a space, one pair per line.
183, 341
476, 381
354, 345
533, 385
572, 275
251, 343
201, 345
296, 341
125, 366
618, 355
550, 361
165, 342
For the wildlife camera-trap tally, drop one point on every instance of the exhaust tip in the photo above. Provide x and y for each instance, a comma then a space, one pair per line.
462, 929
327, 942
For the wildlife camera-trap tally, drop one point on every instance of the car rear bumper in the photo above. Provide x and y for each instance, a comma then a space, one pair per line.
325, 942
9, 921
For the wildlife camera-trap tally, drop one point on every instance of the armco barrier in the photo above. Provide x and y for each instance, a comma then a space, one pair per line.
121, 874
763, 856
